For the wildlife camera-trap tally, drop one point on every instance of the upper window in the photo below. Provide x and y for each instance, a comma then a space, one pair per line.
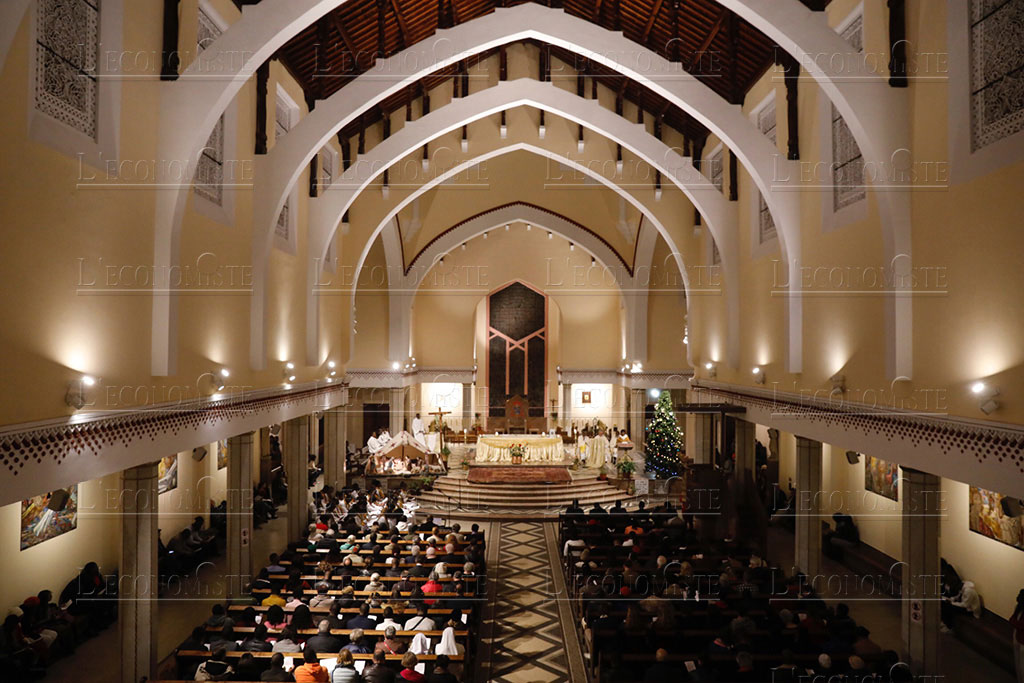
326, 166
209, 181
715, 168
997, 70
766, 124
282, 124
847, 160
67, 46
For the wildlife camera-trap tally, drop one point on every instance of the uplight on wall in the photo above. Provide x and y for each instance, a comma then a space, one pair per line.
711, 369
758, 373
77, 395
395, 365
986, 394
838, 384
289, 372
655, 393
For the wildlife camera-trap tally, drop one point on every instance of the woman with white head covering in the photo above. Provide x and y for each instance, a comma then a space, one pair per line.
449, 647
420, 645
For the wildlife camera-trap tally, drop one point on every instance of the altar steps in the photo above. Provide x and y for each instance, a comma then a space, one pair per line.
455, 498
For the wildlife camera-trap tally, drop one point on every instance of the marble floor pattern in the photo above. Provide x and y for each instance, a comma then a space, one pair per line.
527, 643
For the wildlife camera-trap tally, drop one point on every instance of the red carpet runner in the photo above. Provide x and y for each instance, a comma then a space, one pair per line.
519, 474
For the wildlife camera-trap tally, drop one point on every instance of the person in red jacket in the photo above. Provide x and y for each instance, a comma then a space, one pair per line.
409, 672
431, 586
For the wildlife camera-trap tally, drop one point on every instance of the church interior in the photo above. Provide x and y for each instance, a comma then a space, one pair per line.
520, 341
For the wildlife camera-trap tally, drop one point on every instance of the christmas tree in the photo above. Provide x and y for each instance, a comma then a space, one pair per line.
664, 441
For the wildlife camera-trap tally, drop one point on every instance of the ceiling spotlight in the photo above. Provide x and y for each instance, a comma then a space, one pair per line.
385, 191
657, 194
987, 394
88, 381
580, 146
503, 131
224, 372
550, 236
506, 227
441, 261
485, 235
572, 247
332, 373
331, 364
978, 388
618, 166
465, 145
655, 393
463, 246
218, 378
712, 370
425, 164
290, 365
77, 393
542, 131
593, 261
291, 378
395, 365
528, 227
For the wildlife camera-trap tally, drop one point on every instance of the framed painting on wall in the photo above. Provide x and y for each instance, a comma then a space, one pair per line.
167, 471
882, 478
48, 516
988, 516
222, 454
585, 397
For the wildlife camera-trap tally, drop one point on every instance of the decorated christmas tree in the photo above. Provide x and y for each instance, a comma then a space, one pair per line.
664, 441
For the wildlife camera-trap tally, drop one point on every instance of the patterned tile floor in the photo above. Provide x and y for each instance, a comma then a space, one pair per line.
527, 642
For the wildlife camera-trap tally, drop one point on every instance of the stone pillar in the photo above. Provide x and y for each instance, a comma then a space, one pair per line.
239, 513
314, 435
137, 596
703, 438
467, 405
921, 589
745, 461
808, 507
294, 450
567, 404
396, 404
637, 403
335, 435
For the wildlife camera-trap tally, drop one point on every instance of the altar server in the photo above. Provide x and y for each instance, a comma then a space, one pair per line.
418, 431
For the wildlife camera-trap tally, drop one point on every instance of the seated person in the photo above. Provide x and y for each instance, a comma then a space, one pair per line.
310, 671
276, 672
390, 645
357, 643
257, 641
323, 641
216, 668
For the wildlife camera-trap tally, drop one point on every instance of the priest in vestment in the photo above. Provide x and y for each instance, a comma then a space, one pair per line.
418, 430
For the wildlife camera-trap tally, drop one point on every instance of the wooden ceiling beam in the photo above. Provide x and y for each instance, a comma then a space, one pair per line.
708, 39
346, 38
403, 28
650, 20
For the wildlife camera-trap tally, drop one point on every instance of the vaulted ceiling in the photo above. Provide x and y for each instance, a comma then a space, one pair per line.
710, 42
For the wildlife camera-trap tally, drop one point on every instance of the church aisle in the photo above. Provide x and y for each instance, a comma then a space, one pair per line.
527, 642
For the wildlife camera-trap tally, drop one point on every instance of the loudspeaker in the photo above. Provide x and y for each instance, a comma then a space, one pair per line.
58, 500
852, 457
1012, 507
199, 453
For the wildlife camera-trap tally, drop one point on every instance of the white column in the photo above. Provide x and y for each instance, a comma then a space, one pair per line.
921, 589
295, 450
396, 405
808, 504
637, 403
239, 512
335, 435
467, 405
567, 404
137, 596
703, 439
744, 455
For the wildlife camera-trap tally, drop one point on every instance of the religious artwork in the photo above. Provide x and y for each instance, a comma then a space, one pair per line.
585, 398
222, 454
516, 350
167, 471
987, 516
996, 55
882, 478
41, 523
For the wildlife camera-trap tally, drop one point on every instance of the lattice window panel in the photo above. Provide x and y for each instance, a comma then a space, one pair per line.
67, 46
847, 160
716, 170
766, 123
283, 227
282, 124
997, 70
716, 256
209, 181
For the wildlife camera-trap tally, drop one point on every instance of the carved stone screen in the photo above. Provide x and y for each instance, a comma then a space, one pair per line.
516, 348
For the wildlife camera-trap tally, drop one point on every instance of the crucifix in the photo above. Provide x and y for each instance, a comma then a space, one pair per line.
440, 426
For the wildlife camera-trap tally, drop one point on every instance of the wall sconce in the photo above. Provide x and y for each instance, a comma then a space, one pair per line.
712, 370
758, 374
77, 395
986, 395
395, 365
580, 145
542, 131
289, 372
838, 384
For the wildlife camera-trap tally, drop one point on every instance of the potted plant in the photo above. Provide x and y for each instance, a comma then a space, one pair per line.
603, 474
626, 468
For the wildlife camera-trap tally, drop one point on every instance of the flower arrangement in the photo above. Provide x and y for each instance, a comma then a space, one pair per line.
517, 451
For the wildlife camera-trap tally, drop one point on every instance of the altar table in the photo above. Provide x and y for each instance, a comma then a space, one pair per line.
538, 448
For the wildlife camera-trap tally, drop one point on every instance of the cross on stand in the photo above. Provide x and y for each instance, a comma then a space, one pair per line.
440, 426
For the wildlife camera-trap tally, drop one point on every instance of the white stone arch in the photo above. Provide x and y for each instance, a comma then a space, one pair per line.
12, 13
195, 104
327, 210
641, 206
878, 117
402, 289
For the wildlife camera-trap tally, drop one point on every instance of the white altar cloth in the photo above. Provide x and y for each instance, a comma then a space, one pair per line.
540, 448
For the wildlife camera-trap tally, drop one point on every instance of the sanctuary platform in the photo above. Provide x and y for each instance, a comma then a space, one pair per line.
517, 475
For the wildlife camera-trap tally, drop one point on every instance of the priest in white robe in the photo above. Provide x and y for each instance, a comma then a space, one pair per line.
418, 430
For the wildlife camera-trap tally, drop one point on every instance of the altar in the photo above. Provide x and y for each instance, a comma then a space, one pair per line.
539, 448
